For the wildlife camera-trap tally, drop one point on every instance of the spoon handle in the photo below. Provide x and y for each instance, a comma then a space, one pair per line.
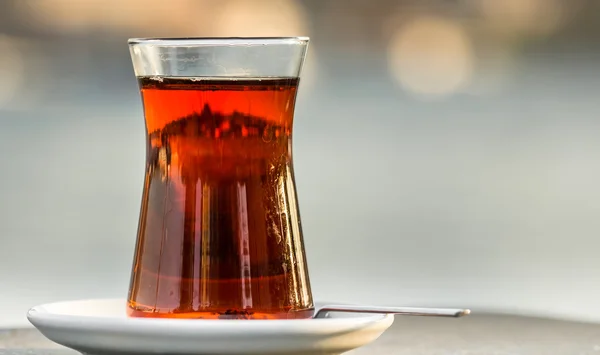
321, 312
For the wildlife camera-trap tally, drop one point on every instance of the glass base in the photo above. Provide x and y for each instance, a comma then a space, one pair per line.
140, 311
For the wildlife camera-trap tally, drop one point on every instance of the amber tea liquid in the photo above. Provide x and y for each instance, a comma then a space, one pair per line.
219, 235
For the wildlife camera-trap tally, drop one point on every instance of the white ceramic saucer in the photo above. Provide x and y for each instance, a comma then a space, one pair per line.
100, 327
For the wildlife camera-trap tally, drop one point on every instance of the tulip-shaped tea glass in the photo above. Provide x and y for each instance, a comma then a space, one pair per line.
219, 233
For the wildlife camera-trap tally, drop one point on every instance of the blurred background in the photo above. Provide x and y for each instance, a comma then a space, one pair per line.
447, 152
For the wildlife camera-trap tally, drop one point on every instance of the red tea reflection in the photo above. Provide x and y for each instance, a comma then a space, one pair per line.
219, 232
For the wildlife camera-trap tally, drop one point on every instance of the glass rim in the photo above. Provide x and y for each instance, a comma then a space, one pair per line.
216, 41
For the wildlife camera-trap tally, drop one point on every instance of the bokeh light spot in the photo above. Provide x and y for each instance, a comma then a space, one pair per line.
11, 70
261, 18
431, 56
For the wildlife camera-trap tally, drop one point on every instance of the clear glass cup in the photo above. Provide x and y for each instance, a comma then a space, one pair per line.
219, 233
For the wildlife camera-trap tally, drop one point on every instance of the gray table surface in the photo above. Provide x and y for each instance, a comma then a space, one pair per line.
476, 334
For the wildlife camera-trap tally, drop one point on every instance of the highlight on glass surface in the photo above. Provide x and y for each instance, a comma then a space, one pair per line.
219, 233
